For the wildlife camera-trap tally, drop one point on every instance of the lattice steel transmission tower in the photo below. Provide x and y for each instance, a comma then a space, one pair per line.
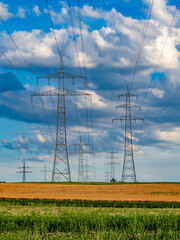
45, 170
24, 171
107, 176
82, 149
128, 172
112, 164
61, 167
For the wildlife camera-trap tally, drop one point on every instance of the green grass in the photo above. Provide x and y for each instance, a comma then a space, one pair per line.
87, 203
48, 222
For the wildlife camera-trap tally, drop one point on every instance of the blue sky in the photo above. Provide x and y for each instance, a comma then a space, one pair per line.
113, 33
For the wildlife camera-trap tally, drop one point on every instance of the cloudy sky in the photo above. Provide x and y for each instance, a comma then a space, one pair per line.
127, 42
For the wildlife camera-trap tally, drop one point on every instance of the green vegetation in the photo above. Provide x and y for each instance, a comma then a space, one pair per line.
87, 203
61, 222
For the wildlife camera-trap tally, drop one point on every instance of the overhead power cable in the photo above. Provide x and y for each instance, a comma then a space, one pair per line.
74, 36
16, 46
82, 40
156, 66
143, 36
29, 67
52, 26
36, 119
12, 65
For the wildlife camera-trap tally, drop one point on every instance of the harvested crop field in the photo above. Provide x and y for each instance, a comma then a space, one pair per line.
119, 192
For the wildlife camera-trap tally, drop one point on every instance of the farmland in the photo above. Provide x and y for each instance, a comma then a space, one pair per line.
67, 211
114, 192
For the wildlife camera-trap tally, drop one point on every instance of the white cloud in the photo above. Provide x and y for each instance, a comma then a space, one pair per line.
21, 13
94, 99
171, 136
5, 14
88, 11
36, 10
40, 138
161, 11
157, 92
58, 17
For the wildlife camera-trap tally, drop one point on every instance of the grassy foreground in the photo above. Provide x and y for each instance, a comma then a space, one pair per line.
20, 220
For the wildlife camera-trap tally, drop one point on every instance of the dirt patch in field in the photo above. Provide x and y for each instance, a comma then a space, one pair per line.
126, 192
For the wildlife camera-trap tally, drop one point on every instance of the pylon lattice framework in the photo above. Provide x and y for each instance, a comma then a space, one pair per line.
112, 164
61, 167
83, 166
128, 173
24, 171
45, 170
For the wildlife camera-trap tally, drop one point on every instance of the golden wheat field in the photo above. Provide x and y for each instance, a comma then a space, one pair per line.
122, 192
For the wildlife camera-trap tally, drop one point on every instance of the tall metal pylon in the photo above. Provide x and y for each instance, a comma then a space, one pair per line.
128, 172
112, 164
61, 167
24, 171
82, 149
107, 176
45, 170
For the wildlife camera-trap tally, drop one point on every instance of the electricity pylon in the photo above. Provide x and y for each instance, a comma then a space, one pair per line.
82, 149
112, 164
128, 172
61, 167
45, 170
107, 176
24, 171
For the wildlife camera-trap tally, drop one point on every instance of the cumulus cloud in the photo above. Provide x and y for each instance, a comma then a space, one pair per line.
21, 13
34, 144
58, 17
5, 14
161, 11
88, 11
156, 92
36, 10
110, 53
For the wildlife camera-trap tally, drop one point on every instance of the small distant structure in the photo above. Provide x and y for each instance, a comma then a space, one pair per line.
45, 170
112, 165
107, 176
85, 171
24, 171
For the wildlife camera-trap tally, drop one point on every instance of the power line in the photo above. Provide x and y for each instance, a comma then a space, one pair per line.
29, 67
16, 46
74, 36
82, 40
141, 42
52, 26
36, 119
156, 66
12, 65
85, 71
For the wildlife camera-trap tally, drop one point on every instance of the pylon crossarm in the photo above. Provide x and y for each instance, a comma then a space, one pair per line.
130, 105
61, 73
127, 95
125, 118
119, 118
66, 92
81, 152
111, 157
137, 119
